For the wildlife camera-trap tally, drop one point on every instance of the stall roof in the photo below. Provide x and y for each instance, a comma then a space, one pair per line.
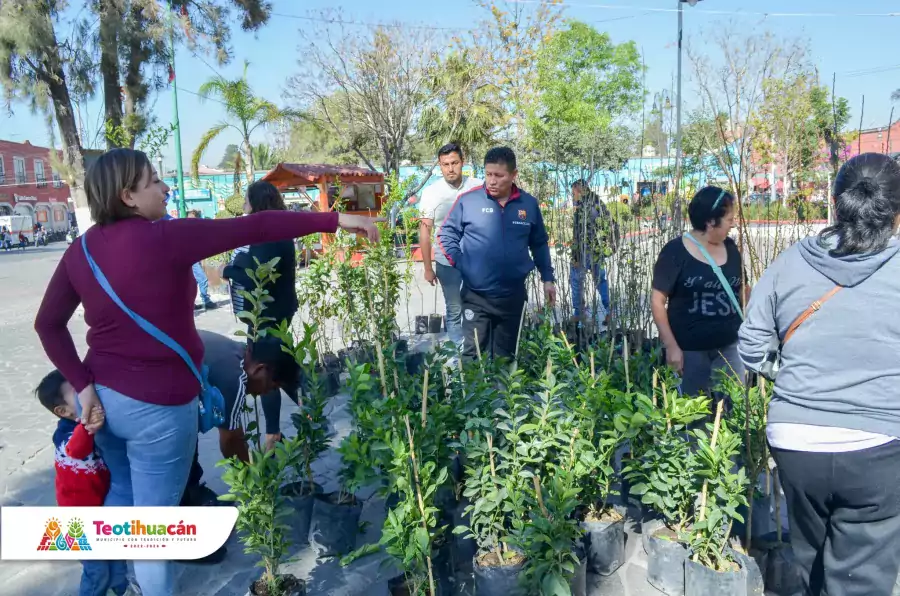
287, 175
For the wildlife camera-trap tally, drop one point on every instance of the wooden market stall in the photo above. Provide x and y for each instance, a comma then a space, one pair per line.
359, 190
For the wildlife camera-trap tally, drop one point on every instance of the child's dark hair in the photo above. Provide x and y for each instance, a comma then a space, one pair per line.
709, 204
49, 391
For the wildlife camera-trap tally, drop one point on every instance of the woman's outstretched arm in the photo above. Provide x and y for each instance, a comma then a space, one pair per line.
191, 240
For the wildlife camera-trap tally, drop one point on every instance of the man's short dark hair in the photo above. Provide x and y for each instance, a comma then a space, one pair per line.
49, 391
581, 183
269, 350
450, 148
501, 155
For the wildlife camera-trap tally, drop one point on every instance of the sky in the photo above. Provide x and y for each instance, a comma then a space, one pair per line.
863, 50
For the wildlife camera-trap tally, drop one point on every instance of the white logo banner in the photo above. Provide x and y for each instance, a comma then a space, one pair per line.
75, 533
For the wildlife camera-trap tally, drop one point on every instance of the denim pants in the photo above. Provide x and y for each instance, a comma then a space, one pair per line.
702, 369
577, 274
202, 282
148, 449
98, 577
451, 284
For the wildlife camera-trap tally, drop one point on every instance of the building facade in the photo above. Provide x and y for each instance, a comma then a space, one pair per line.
877, 140
30, 186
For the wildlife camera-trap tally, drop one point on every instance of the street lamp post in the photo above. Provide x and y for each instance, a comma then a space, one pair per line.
176, 124
678, 157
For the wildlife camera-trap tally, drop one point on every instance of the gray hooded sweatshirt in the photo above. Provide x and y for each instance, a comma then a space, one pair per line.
841, 368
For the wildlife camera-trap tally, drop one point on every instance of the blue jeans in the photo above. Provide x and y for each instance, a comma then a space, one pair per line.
148, 449
451, 284
576, 280
202, 282
98, 577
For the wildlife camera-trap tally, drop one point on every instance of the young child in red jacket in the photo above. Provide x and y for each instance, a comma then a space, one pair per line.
82, 479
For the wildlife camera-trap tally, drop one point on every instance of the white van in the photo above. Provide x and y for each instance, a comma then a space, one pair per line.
18, 224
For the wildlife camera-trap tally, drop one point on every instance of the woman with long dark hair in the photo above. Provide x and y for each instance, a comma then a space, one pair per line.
148, 393
263, 196
697, 284
828, 306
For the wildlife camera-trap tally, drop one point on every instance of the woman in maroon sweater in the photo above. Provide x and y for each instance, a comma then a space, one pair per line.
147, 391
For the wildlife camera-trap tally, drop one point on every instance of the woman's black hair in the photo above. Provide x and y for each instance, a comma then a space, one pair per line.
263, 196
709, 204
866, 203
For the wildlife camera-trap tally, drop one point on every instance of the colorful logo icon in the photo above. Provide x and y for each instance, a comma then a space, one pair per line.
522, 214
73, 540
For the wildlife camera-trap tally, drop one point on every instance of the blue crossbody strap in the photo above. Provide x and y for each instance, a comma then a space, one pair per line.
718, 271
141, 321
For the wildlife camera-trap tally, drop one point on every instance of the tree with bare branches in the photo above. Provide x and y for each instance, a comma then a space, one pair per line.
510, 39
367, 87
730, 72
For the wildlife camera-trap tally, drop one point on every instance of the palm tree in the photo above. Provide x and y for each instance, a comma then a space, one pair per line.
468, 110
265, 157
244, 112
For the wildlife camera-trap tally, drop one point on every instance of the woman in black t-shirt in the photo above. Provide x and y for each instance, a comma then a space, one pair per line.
696, 317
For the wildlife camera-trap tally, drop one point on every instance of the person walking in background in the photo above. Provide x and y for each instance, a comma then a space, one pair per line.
697, 282
263, 196
487, 237
829, 305
436, 202
148, 393
200, 277
594, 238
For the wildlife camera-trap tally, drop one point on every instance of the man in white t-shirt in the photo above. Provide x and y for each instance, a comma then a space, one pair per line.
437, 199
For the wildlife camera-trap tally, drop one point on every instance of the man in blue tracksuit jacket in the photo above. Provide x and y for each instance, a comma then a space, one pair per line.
487, 237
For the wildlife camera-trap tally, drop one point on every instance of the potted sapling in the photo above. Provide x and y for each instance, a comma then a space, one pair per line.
496, 497
412, 525
713, 567
661, 472
311, 424
262, 513
550, 540
412, 528
496, 482
334, 517
748, 417
592, 449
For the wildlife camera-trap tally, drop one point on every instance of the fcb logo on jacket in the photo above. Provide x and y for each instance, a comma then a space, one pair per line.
523, 215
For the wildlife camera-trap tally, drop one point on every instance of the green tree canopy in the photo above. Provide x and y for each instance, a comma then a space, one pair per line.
231, 152
585, 79
586, 85
466, 109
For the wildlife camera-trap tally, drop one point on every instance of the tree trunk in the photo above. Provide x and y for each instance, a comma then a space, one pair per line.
136, 89
51, 72
248, 148
110, 22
